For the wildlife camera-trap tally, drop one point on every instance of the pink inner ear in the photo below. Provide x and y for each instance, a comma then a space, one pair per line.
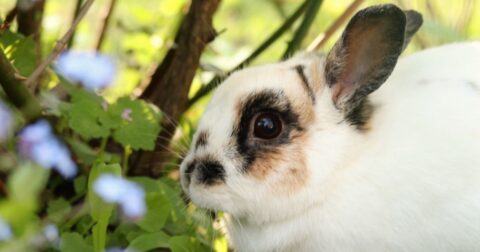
365, 53
337, 91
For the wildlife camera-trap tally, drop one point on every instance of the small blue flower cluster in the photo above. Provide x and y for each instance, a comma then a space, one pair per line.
39, 144
115, 189
92, 70
5, 231
6, 122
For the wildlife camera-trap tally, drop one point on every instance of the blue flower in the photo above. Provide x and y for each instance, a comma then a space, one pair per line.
115, 189
39, 144
6, 125
5, 231
92, 70
50, 232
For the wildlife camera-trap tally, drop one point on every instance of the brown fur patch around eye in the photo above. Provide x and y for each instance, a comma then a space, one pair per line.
287, 162
279, 160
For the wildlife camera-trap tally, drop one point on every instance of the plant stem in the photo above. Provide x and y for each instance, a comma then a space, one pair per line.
101, 152
16, 91
270, 40
312, 9
76, 213
126, 155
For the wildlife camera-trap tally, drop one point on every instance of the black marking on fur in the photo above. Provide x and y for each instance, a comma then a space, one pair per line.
202, 139
208, 171
300, 71
360, 115
189, 171
273, 101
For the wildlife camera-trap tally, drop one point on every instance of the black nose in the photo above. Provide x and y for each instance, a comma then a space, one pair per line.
207, 172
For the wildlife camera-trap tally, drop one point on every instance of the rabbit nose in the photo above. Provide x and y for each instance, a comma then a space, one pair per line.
207, 172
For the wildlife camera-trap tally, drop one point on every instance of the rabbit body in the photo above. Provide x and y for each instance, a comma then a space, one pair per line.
307, 154
412, 183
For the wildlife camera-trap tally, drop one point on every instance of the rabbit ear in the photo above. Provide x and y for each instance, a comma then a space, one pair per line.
365, 55
414, 21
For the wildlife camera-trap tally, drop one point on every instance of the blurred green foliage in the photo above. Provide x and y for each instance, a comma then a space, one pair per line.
139, 35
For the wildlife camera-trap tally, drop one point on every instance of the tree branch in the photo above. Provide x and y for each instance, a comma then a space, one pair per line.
29, 24
16, 92
106, 21
263, 46
9, 19
78, 6
320, 40
310, 14
30, 20
32, 81
170, 84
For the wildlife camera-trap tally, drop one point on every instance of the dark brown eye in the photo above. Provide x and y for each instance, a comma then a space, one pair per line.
267, 126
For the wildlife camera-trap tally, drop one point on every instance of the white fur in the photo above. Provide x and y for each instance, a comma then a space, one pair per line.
410, 183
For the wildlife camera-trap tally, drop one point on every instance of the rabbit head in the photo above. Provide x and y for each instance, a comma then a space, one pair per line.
271, 135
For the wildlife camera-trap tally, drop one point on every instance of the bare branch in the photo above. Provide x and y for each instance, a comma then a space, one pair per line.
262, 47
106, 20
33, 78
9, 19
169, 85
78, 7
310, 14
320, 40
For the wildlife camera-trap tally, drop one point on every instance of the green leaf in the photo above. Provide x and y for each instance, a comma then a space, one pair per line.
140, 130
27, 181
85, 154
84, 225
80, 184
135, 123
147, 242
148, 184
9, 38
73, 242
132, 235
183, 243
20, 50
179, 219
58, 209
100, 210
83, 114
23, 56
158, 210
24, 186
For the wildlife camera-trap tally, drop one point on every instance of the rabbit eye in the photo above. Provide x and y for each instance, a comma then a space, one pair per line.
267, 125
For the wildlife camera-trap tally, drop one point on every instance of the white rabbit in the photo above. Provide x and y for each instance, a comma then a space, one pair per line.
302, 156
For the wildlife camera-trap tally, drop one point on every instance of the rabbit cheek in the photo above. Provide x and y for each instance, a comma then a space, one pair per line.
284, 167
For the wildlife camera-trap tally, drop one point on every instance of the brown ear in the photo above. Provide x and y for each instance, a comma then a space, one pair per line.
365, 55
